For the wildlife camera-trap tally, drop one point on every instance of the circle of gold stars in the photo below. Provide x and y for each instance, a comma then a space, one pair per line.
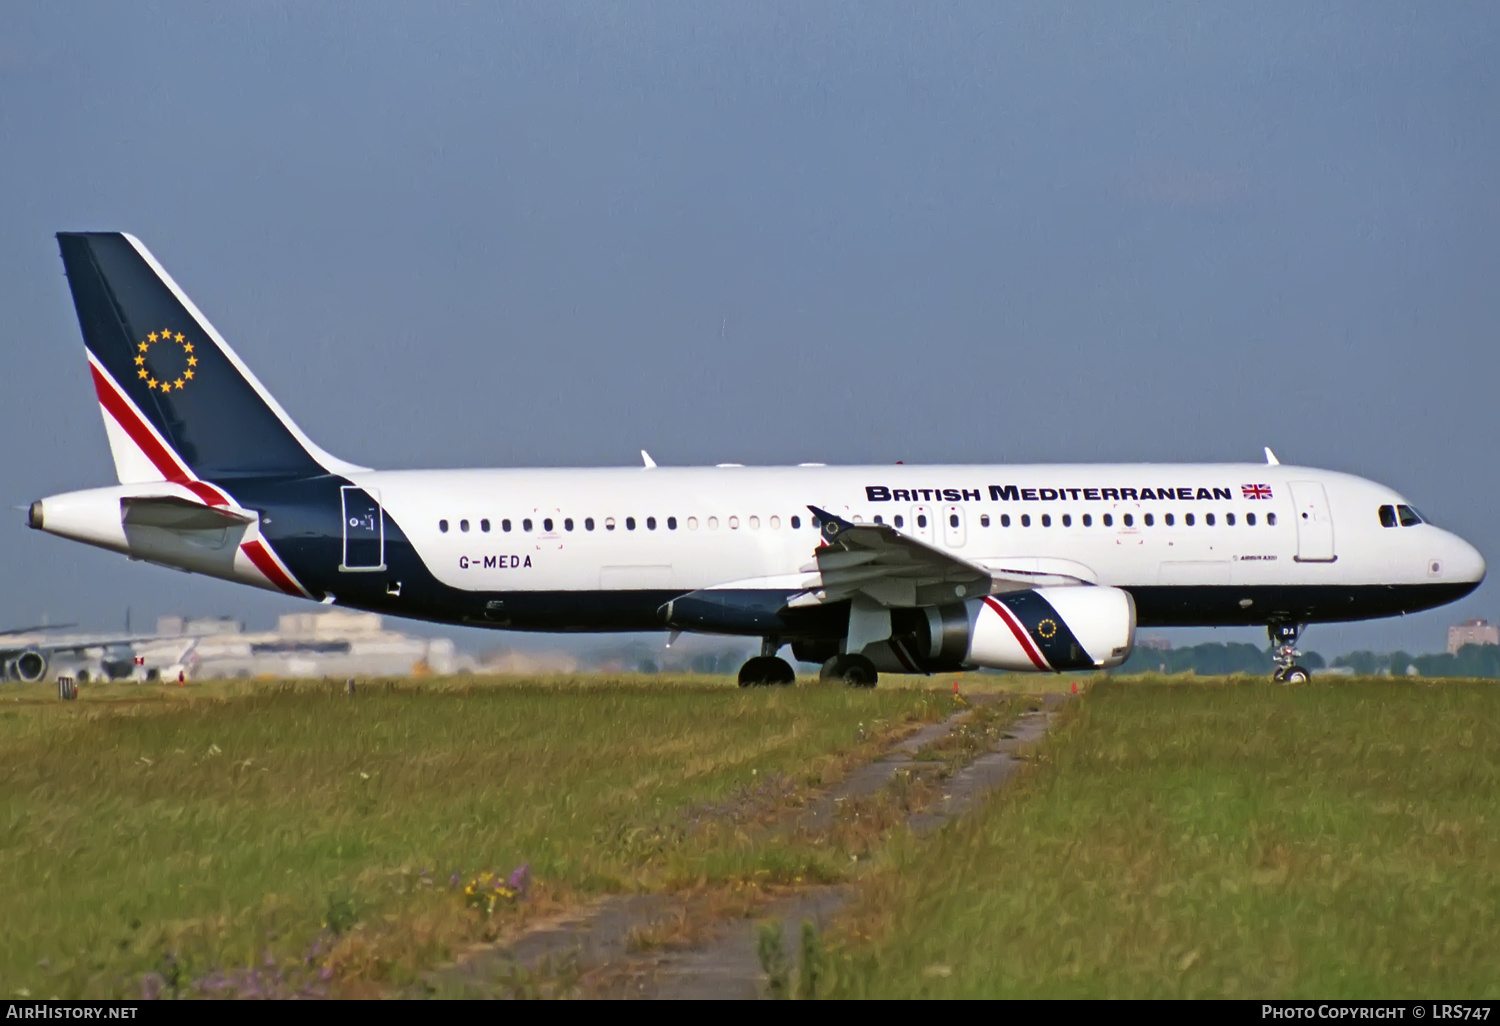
1047, 628
166, 383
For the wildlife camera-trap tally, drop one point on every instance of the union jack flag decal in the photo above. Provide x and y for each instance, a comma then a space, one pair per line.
1256, 491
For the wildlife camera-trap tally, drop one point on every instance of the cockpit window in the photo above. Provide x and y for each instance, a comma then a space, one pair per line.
1387, 516
1408, 516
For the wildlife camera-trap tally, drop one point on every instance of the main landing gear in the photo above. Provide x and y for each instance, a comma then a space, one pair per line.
1284, 653
767, 669
854, 670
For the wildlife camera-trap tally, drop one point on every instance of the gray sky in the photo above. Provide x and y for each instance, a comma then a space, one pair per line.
555, 233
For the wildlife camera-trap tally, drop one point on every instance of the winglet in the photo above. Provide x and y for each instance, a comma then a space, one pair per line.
1271, 459
647, 460
829, 525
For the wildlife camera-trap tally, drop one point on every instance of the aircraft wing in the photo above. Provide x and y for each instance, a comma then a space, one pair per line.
34, 628
880, 563
894, 569
80, 643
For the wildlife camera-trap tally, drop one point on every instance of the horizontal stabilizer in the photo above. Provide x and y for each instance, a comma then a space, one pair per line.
176, 514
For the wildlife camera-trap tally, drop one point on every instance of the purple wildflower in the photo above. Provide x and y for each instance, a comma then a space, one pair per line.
520, 879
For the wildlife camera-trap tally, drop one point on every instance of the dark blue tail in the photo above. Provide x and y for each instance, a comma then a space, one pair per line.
177, 401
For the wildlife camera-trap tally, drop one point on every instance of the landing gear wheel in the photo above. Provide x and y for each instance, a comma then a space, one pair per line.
763, 670
1295, 675
854, 670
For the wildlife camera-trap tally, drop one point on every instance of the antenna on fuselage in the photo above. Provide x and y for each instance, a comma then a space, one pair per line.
647, 460
1271, 459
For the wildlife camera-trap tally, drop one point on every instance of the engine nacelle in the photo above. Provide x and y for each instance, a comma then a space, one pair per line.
30, 666
1038, 630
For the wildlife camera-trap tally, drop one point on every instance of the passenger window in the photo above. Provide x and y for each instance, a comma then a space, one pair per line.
1229, 519
1025, 519
879, 519
1088, 520
672, 523
567, 523
1046, 519
1271, 519
1408, 516
921, 519
526, 525
1208, 518
547, 525
692, 523
797, 523
1109, 521
609, 523
650, 523
1187, 518
1150, 520
984, 520
630, 523
899, 520
1250, 519
1004, 519
588, 523
1387, 516
734, 523
443, 526
463, 525
484, 525
505, 526
713, 523
1167, 519
1067, 520
1128, 519
952, 519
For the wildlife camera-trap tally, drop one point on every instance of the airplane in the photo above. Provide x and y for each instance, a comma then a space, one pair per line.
863, 569
27, 653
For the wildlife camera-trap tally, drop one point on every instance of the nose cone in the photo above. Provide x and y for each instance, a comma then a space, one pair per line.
1463, 562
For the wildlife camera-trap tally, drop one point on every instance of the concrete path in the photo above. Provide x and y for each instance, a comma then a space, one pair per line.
595, 945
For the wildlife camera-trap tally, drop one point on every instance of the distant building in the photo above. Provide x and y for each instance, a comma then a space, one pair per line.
1154, 644
1472, 632
335, 643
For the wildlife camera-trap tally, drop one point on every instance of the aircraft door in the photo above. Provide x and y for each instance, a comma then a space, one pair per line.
1314, 523
954, 527
922, 526
364, 530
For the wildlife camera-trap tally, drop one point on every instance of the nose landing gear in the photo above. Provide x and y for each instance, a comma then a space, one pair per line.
1284, 653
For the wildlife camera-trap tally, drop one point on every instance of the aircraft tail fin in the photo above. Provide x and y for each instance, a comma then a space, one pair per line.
178, 403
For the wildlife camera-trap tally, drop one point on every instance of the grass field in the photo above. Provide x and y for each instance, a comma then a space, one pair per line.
1212, 839
265, 839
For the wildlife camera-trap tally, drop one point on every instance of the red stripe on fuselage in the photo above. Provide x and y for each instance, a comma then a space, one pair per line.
1009, 618
161, 457
266, 563
173, 469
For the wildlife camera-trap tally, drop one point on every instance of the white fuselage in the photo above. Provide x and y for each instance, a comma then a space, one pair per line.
734, 524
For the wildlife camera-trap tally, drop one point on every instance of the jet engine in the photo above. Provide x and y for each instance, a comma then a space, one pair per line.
1036, 630
29, 666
